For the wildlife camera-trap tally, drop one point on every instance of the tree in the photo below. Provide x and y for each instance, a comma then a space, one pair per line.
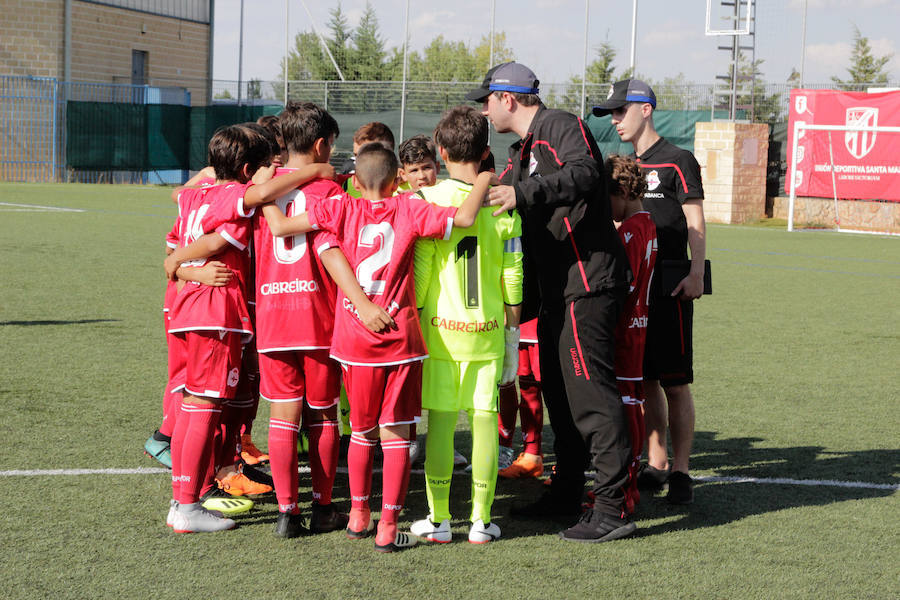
864, 67
368, 49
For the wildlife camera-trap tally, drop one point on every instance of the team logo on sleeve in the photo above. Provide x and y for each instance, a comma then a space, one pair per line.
652, 179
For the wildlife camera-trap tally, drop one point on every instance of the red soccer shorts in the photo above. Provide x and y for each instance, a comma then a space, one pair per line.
177, 362
213, 363
528, 361
383, 395
297, 375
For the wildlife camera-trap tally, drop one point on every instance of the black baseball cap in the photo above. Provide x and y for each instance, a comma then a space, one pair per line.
506, 77
622, 92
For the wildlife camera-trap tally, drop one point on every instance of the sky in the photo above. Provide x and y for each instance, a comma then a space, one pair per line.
549, 35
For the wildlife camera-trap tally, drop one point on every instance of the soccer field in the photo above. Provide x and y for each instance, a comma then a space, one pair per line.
796, 454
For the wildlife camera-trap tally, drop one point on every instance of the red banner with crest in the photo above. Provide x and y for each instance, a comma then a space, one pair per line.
865, 164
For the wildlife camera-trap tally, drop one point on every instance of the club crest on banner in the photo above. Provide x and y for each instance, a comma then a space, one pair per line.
860, 143
801, 153
800, 104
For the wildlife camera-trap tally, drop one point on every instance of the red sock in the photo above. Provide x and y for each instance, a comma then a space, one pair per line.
171, 408
177, 443
324, 444
507, 404
283, 460
359, 465
203, 419
230, 428
531, 413
395, 477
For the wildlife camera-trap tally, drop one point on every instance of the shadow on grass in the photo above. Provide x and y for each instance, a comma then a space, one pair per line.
52, 322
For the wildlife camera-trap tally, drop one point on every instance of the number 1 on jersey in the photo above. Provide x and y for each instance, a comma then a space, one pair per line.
467, 250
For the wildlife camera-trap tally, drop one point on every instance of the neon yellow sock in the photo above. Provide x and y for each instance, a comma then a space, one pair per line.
485, 445
345, 412
439, 462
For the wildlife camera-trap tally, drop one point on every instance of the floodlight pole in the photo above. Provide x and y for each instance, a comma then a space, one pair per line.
286, 44
587, 6
633, 35
803, 44
491, 54
240, 54
405, 66
322, 41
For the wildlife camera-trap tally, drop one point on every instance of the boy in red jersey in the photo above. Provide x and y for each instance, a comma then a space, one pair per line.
627, 185
212, 322
382, 370
295, 302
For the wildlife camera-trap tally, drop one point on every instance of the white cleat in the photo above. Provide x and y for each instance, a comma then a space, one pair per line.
199, 520
173, 508
482, 534
432, 532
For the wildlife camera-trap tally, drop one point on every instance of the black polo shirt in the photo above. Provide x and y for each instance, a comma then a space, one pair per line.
673, 177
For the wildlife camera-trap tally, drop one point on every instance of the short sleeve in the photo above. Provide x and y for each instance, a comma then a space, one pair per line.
429, 220
327, 214
692, 185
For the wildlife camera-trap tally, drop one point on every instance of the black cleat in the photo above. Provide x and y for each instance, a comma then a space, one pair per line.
256, 474
595, 527
681, 488
327, 518
651, 479
290, 525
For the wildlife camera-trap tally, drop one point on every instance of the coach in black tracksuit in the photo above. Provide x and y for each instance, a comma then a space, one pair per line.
577, 277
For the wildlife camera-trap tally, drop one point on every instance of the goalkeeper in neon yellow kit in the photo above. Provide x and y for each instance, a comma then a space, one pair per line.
468, 289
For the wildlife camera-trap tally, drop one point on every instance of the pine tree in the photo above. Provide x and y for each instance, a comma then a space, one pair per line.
865, 68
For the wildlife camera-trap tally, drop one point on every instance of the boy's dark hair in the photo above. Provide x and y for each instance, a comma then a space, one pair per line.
302, 123
376, 166
274, 146
418, 149
374, 132
487, 164
523, 99
234, 146
270, 122
625, 177
463, 133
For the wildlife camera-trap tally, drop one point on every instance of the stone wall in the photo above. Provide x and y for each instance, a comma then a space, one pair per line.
31, 37
732, 158
862, 215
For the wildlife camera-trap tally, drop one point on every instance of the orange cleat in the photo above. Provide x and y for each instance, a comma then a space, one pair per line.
360, 524
237, 484
527, 465
250, 453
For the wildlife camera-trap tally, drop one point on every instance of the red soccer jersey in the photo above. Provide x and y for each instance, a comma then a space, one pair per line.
378, 239
216, 209
638, 234
294, 295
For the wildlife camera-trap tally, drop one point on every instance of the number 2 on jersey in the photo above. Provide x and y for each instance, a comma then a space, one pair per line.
371, 267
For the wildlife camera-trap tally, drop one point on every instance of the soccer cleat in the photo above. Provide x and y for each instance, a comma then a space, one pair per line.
199, 520
458, 459
217, 500
173, 508
483, 534
360, 525
548, 506
159, 449
250, 453
237, 484
257, 475
651, 479
415, 451
505, 458
594, 527
524, 466
433, 532
290, 525
327, 518
549, 480
396, 540
681, 488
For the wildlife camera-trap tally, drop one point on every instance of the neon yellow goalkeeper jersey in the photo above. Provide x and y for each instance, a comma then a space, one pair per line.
462, 283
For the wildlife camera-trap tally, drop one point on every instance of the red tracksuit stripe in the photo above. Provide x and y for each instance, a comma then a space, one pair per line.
587, 375
674, 166
587, 288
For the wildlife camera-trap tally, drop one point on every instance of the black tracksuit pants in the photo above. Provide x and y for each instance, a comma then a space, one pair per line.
577, 356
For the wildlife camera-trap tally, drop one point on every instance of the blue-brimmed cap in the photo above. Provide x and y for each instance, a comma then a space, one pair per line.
506, 77
622, 92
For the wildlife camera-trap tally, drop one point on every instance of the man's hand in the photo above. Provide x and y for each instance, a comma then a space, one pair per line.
511, 356
214, 274
503, 196
689, 288
263, 174
171, 267
375, 318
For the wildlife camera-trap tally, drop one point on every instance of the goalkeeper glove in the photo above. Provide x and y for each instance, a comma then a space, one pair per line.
511, 356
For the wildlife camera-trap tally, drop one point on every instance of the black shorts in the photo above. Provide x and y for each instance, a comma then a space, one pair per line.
669, 354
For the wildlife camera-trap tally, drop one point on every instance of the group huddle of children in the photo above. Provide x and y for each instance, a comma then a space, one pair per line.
282, 277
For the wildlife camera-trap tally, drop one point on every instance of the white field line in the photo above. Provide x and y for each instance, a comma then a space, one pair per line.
37, 208
699, 478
